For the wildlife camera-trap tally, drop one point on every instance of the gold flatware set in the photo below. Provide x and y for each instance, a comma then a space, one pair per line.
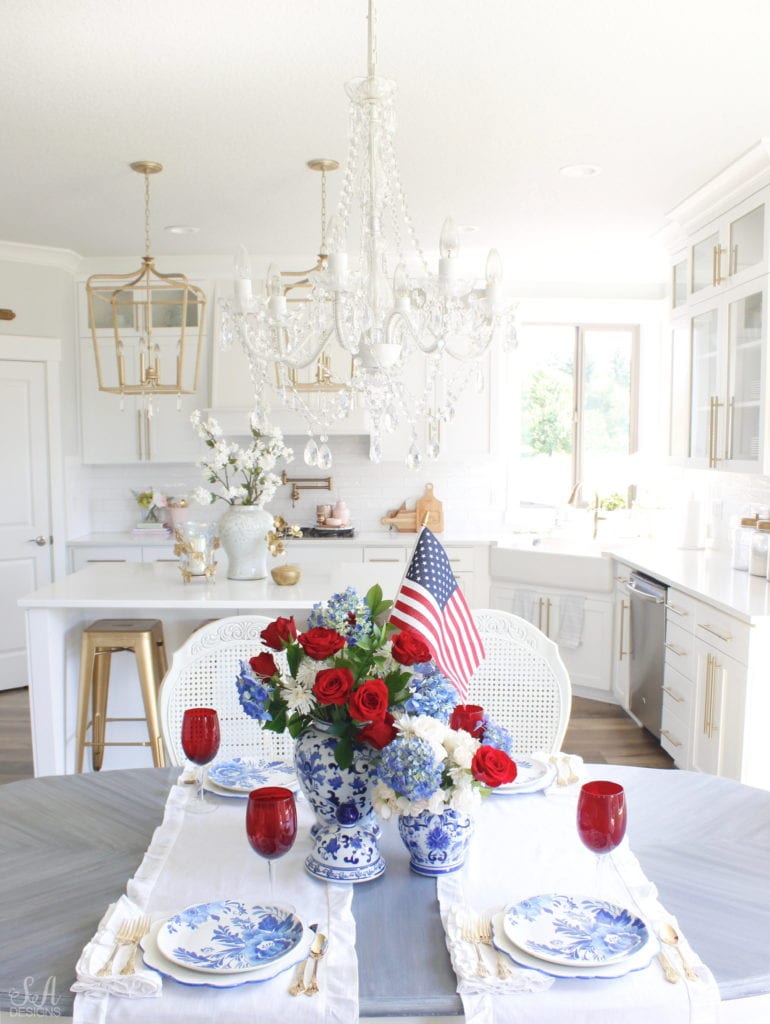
129, 933
317, 953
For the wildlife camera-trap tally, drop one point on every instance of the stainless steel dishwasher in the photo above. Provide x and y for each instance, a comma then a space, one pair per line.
648, 638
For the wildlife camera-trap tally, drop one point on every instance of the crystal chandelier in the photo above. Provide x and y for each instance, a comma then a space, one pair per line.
146, 327
397, 340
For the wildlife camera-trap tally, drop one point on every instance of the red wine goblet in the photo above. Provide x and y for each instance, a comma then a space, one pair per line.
271, 824
200, 742
601, 818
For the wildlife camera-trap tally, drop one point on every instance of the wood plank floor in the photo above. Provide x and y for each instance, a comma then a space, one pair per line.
600, 733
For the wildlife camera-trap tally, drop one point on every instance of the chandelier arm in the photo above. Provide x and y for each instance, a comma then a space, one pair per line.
345, 337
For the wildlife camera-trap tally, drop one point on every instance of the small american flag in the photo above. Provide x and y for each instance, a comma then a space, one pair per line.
431, 603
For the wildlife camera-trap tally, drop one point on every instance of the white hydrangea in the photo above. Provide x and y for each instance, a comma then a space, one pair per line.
461, 747
426, 728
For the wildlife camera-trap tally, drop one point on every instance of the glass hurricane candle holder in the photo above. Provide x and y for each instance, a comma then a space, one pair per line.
195, 546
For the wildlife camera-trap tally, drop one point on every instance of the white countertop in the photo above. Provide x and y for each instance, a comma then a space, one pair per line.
706, 574
157, 585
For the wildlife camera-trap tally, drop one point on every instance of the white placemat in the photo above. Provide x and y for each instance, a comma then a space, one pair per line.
531, 848
197, 858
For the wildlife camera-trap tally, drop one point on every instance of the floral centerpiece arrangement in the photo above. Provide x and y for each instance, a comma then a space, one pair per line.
244, 474
370, 712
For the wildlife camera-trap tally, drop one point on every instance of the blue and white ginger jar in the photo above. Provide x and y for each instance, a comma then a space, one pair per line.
437, 843
346, 834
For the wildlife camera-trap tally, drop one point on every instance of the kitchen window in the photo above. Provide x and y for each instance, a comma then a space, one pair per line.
579, 411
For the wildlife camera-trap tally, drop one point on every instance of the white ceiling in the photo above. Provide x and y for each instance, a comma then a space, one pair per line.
494, 97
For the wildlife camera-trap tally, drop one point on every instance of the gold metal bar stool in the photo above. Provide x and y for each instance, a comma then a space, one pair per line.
100, 640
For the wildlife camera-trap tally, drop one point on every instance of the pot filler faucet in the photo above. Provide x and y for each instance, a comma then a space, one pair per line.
304, 483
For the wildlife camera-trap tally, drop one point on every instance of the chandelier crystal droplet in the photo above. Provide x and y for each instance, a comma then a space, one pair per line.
378, 330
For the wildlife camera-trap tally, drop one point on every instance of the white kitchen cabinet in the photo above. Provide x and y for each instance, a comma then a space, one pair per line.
719, 712
82, 555
728, 392
590, 663
731, 249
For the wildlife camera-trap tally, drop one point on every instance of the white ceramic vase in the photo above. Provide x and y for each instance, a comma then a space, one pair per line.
243, 533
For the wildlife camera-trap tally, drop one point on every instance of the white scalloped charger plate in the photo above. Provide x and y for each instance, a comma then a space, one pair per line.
532, 776
155, 959
637, 962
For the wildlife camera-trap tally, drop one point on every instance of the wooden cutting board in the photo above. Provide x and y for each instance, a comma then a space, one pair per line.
429, 505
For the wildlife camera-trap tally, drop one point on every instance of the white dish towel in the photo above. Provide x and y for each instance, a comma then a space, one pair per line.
571, 616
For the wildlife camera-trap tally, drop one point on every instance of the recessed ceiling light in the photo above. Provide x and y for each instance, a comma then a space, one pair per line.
181, 229
469, 229
580, 170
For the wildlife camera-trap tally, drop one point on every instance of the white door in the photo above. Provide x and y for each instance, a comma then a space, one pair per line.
25, 518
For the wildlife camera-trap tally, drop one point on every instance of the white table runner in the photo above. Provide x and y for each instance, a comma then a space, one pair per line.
525, 845
195, 858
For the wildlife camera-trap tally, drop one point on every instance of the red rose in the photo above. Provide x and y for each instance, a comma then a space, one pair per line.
409, 648
493, 767
320, 643
333, 685
263, 665
280, 632
369, 703
378, 734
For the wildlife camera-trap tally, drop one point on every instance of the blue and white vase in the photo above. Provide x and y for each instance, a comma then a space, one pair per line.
346, 833
437, 843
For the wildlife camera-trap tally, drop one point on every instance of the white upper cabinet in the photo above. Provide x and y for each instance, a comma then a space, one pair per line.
720, 387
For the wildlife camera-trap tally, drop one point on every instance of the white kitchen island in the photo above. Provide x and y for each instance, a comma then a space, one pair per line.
57, 614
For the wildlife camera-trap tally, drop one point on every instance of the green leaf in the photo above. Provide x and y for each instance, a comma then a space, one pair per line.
343, 752
373, 598
294, 655
295, 727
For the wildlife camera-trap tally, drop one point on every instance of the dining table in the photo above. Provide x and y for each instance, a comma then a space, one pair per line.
69, 843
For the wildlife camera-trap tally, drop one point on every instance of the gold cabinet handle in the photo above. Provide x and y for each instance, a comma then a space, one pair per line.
384, 559
707, 695
676, 610
540, 614
730, 422
678, 651
670, 738
716, 269
726, 637
548, 616
714, 252
673, 695
712, 723
621, 652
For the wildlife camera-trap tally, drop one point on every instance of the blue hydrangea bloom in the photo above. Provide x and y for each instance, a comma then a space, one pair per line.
434, 695
408, 765
253, 694
347, 613
496, 735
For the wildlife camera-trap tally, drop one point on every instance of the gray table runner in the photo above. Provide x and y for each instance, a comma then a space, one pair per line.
69, 844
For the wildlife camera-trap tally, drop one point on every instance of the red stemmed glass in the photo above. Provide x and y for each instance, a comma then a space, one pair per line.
271, 824
601, 819
200, 742
469, 717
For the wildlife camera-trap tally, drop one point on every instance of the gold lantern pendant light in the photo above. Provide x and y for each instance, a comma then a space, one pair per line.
146, 327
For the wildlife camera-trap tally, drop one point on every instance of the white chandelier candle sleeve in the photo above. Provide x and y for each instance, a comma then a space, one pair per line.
397, 340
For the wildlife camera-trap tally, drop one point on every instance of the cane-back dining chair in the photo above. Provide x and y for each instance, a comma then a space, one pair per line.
203, 673
522, 682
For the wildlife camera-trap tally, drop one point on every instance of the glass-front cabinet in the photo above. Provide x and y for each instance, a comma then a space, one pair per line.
731, 249
728, 382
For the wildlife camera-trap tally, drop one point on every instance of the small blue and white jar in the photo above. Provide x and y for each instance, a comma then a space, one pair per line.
437, 843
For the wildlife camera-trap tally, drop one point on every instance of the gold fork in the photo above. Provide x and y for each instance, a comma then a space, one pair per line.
485, 936
123, 937
471, 933
141, 927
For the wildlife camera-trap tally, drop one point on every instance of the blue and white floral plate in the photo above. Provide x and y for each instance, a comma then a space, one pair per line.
185, 976
229, 936
634, 962
242, 774
532, 776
